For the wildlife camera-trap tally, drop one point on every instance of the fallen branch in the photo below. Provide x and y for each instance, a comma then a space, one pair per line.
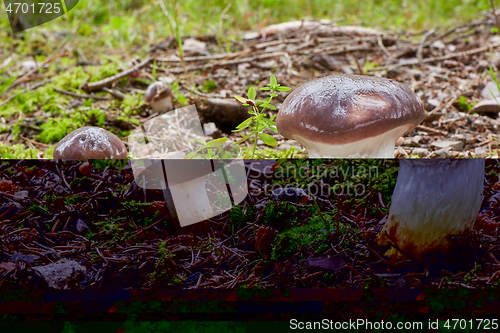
110, 80
70, 93
432, 130
178, 70
445, 57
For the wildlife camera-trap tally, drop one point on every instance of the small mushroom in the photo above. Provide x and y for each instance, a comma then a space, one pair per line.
90, 143
349, 116
434, 201
159, 97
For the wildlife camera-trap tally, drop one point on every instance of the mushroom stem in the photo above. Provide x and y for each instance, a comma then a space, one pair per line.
380, 146
191, 201
162, 104
433, 201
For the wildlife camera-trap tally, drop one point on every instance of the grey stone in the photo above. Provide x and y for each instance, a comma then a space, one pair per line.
209, 128
81, 227
487, 94
61, 274
415, 141
480, 151
443, 153
420, 152
455, 145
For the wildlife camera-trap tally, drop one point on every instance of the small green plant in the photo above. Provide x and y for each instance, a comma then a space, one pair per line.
463, 104
205, 151
208, 86
259, 121
494, 77
178, 96
174, 26
240, 215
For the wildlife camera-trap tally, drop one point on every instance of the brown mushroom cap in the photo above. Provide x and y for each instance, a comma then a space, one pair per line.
156, 90
90, 143
341, 109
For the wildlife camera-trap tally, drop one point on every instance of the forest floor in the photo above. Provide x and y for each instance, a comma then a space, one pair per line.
92, 225
449, 70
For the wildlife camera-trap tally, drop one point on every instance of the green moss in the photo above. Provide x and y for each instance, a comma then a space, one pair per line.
17, 151
100, 165
49, 153
129, 120
95, 117
288, 241
39, 209
54, 129
132, 104
121, 133
71, 200
276, 211
47, 99
80, 180
57, 128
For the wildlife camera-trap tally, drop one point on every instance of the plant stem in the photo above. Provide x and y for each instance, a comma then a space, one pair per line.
254, 145
256, 131
495, 15
178, 34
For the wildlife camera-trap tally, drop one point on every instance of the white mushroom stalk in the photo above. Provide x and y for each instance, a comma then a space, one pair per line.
159, 148
433, 201
380, 146
191, 201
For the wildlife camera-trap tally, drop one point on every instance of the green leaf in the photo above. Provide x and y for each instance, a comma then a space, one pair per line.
117, 21
265, 88
283, 88
239, 129
216, 142
251, 93
178, 96
208, 86
245, 122
259, 117
191, 155
272, 107
274, 82
244, 138
268, 140
273, 95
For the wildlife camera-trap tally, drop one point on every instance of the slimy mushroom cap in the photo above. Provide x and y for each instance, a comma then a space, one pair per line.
90, 143
349, 115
